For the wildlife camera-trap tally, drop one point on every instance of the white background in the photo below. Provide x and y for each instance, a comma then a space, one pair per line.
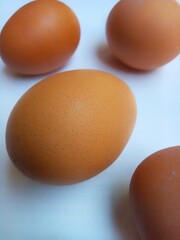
87, 211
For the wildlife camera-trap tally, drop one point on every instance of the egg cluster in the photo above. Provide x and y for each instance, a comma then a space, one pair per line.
72, 125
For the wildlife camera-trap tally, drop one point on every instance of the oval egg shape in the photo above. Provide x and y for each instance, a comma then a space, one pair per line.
144, 34
70, 126
40, 37
155, 195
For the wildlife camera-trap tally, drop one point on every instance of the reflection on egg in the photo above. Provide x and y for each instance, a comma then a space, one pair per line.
40, 37
155, 195
144, 34
70, 126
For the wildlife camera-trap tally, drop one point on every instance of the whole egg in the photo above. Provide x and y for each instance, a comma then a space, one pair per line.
70, 126
144, 34
40, 37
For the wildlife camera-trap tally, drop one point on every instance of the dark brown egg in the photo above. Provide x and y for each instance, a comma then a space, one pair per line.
155, 196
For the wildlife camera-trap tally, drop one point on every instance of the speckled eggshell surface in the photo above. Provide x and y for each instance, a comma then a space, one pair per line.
70, 126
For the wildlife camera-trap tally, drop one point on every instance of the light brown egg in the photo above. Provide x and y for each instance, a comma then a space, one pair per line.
155, 195
40, 37
70, 126
144, 34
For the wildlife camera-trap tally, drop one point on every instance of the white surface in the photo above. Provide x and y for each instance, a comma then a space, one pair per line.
86, 211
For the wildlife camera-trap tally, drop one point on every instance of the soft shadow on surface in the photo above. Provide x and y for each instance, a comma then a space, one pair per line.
24, 186
17, 76
121, 214
18, 181
106, 56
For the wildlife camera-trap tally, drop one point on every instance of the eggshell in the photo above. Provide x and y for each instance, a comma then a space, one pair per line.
144, 34
70, 126
40, 37
155, 195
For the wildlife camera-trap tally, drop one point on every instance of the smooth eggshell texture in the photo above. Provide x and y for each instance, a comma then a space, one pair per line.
144, 34
155, 195
40, 37
70, 126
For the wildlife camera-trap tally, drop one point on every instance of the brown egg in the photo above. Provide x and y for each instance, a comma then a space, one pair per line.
40, 37
144, 34
155, 195
70, 126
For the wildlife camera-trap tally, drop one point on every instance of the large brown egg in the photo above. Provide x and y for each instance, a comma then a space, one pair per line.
144, 34
155, 195
70, 126
40, 37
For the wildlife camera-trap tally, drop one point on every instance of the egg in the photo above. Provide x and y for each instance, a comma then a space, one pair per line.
40, 37
70, 126
155, 195
144, 34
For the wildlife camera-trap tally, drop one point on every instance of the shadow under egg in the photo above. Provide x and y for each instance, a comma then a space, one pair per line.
121, 214
18, 182
106, 56
21, 77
